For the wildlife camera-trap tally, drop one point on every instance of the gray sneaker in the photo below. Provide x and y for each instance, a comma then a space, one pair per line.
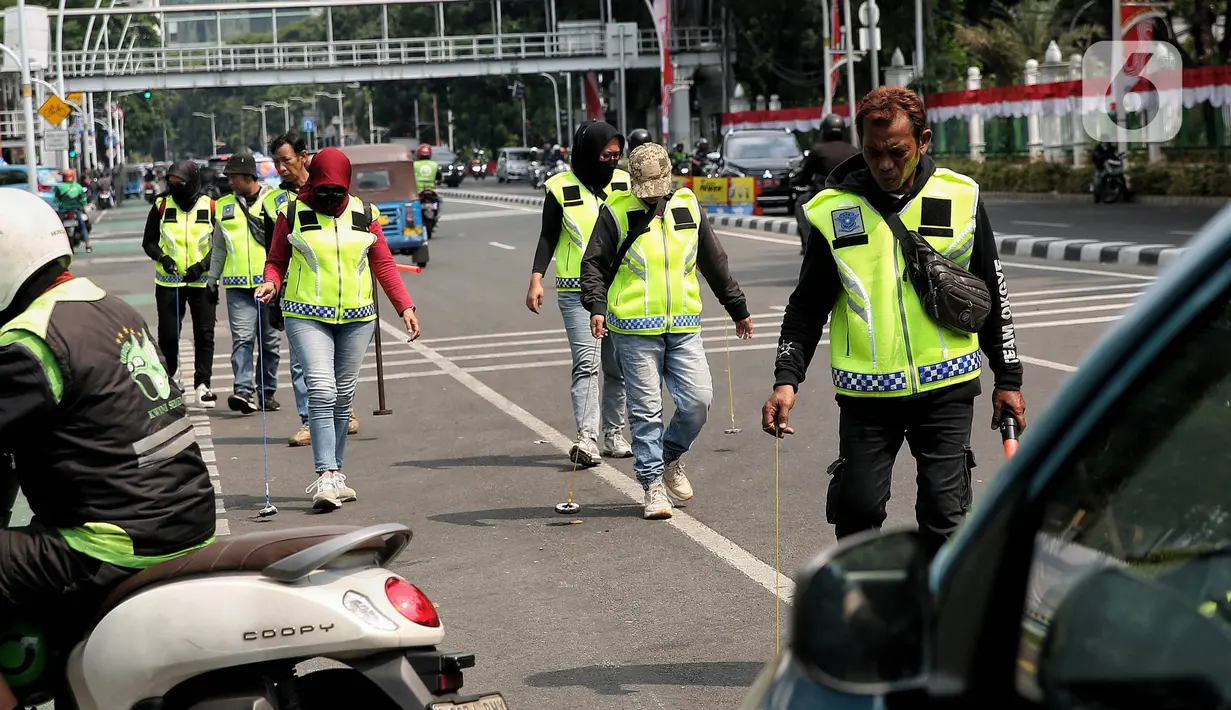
616, 446
585, 453
657, 505
324, 492
676, 482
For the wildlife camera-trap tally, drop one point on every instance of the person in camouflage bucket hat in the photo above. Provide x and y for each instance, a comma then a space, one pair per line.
654, 315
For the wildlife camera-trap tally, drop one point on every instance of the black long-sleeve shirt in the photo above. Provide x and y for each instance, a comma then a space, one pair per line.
819, 287
598, 266
549, 234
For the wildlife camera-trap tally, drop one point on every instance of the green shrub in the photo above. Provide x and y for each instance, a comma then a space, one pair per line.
1208, 179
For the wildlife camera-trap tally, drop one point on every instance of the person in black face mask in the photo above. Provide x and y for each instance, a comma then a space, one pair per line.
570, 211
178, 238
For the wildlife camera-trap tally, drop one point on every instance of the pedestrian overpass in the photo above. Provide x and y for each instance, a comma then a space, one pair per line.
566, 47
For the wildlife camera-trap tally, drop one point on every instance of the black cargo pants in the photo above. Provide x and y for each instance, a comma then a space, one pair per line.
870, 438
172, 304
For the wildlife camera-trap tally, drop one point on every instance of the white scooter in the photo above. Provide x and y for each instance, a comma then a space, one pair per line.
223, 628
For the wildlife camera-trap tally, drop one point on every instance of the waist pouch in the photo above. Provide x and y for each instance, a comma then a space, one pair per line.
950, 294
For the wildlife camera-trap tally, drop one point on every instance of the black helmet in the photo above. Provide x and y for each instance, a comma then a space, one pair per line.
833, 128
638, 137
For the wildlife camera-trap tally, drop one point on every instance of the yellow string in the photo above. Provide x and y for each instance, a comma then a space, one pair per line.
584, 411
777, 560
726, 337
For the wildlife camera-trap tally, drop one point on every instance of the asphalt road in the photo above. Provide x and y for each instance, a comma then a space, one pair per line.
1132, 223
614, 611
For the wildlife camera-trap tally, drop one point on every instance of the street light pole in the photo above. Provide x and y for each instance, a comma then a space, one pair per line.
555, 90
213, 134
27, 101
341, 116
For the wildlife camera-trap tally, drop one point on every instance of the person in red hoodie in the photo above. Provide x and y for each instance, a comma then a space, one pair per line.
324, 242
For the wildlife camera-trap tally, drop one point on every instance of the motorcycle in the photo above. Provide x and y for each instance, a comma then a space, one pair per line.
429, 202
72, 219
106, 200
226, 625
538, 175
682, 168
477, 170
1111, 184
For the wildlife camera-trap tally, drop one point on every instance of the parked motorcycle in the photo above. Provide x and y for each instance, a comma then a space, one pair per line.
429, 202
225, 626
1111, 183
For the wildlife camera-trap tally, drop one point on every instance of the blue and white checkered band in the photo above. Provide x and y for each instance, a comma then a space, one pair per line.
861, 382
847, 222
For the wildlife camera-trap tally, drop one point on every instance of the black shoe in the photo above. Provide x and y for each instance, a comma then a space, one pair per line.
241, 402
269, 404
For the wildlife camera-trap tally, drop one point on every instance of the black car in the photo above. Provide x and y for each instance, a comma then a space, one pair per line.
767, 155
452, 168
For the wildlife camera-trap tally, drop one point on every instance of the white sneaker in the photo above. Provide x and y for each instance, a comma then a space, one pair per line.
657, 505
676, 482
346, 494
616, 446
585, 453
325, 492
205, 398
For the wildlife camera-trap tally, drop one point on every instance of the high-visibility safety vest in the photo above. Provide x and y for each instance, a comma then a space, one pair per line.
185, 236
329, 278
426, 172
272, 203
580, 215
882, 342
655, 289
245, 264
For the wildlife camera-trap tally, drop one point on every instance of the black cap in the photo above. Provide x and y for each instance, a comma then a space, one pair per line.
241, 164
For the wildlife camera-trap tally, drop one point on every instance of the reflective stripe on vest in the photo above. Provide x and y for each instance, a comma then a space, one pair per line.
882, 342
328, 278
245, 264
580, 207
655, 289
185, 237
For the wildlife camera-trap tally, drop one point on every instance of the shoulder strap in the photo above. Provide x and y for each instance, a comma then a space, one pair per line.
636, 229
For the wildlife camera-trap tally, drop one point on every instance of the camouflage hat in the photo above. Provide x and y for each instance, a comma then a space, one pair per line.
650, 167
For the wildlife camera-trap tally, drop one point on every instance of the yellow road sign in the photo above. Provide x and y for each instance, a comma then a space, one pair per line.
77, 97
54, 110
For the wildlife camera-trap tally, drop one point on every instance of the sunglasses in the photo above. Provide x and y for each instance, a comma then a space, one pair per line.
609, 155
327, 192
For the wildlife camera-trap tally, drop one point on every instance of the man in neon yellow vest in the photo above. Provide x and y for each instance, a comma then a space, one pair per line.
94, 431
898, 373
178, 236
639, 280
238, 263
570, 210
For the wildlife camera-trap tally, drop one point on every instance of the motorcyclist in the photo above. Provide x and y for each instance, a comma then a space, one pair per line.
678, 154
638, 137
99, 435
426, 170
70, 195
1103, 152
826, 155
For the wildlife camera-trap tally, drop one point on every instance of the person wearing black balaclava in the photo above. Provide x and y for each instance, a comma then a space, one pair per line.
178, 238
570, 211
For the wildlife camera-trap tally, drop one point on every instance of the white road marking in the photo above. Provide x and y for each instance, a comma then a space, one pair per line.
502, 246
1100, 297
1057, 225
1082, 309
489, 203
1074, 289
1181, 233
201, 429
1072, 270
460, 216
725, 549
758, 238
1047, 363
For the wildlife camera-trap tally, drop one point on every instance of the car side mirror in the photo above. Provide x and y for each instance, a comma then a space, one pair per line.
714, 156
1120, 640
862, 613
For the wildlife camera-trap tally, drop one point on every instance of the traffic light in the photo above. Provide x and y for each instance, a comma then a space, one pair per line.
146, 95
72, 153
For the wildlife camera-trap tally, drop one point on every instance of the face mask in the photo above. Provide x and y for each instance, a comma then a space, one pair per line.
329, 200
179, 193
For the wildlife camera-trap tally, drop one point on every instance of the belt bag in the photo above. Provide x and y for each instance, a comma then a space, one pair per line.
951, 295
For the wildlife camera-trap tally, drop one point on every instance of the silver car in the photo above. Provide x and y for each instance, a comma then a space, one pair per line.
513, 164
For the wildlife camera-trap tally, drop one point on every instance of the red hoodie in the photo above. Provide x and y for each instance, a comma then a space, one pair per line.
332, 167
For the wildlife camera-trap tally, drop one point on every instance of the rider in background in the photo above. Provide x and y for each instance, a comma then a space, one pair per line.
427, 172
70, 195
99, 435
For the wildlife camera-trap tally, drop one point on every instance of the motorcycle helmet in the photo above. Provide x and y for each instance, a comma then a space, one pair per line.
424, 151
31, 237
703, 147
638, 137
833, 128
679, 148
70, 174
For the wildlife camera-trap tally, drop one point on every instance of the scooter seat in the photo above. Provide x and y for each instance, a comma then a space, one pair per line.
242, 553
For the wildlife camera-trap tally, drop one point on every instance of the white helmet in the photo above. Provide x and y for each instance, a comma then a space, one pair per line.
31, 237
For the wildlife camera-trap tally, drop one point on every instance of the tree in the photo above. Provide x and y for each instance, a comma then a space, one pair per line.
1003, 43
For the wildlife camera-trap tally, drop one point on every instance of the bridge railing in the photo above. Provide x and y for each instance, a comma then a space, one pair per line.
366, 53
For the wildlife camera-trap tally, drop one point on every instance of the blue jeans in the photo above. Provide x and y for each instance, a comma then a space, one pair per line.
242, 317
647, 361
331, 355
584, 389
300, 387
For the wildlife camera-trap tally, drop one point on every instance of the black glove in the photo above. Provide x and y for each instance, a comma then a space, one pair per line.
193, 273
211, 289
167, 263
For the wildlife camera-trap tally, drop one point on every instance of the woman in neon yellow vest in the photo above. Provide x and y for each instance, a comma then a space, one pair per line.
324, 244
570, 211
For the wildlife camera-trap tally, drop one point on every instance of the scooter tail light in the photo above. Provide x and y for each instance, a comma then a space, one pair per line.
411, 603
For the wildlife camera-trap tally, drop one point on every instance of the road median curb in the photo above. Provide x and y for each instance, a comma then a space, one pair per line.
1089, 251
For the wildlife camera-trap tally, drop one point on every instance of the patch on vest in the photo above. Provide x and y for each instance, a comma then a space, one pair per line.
228, 210
683, 218
619, 187
572, 196
202, 216
280, 199
847, 222
170, 214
